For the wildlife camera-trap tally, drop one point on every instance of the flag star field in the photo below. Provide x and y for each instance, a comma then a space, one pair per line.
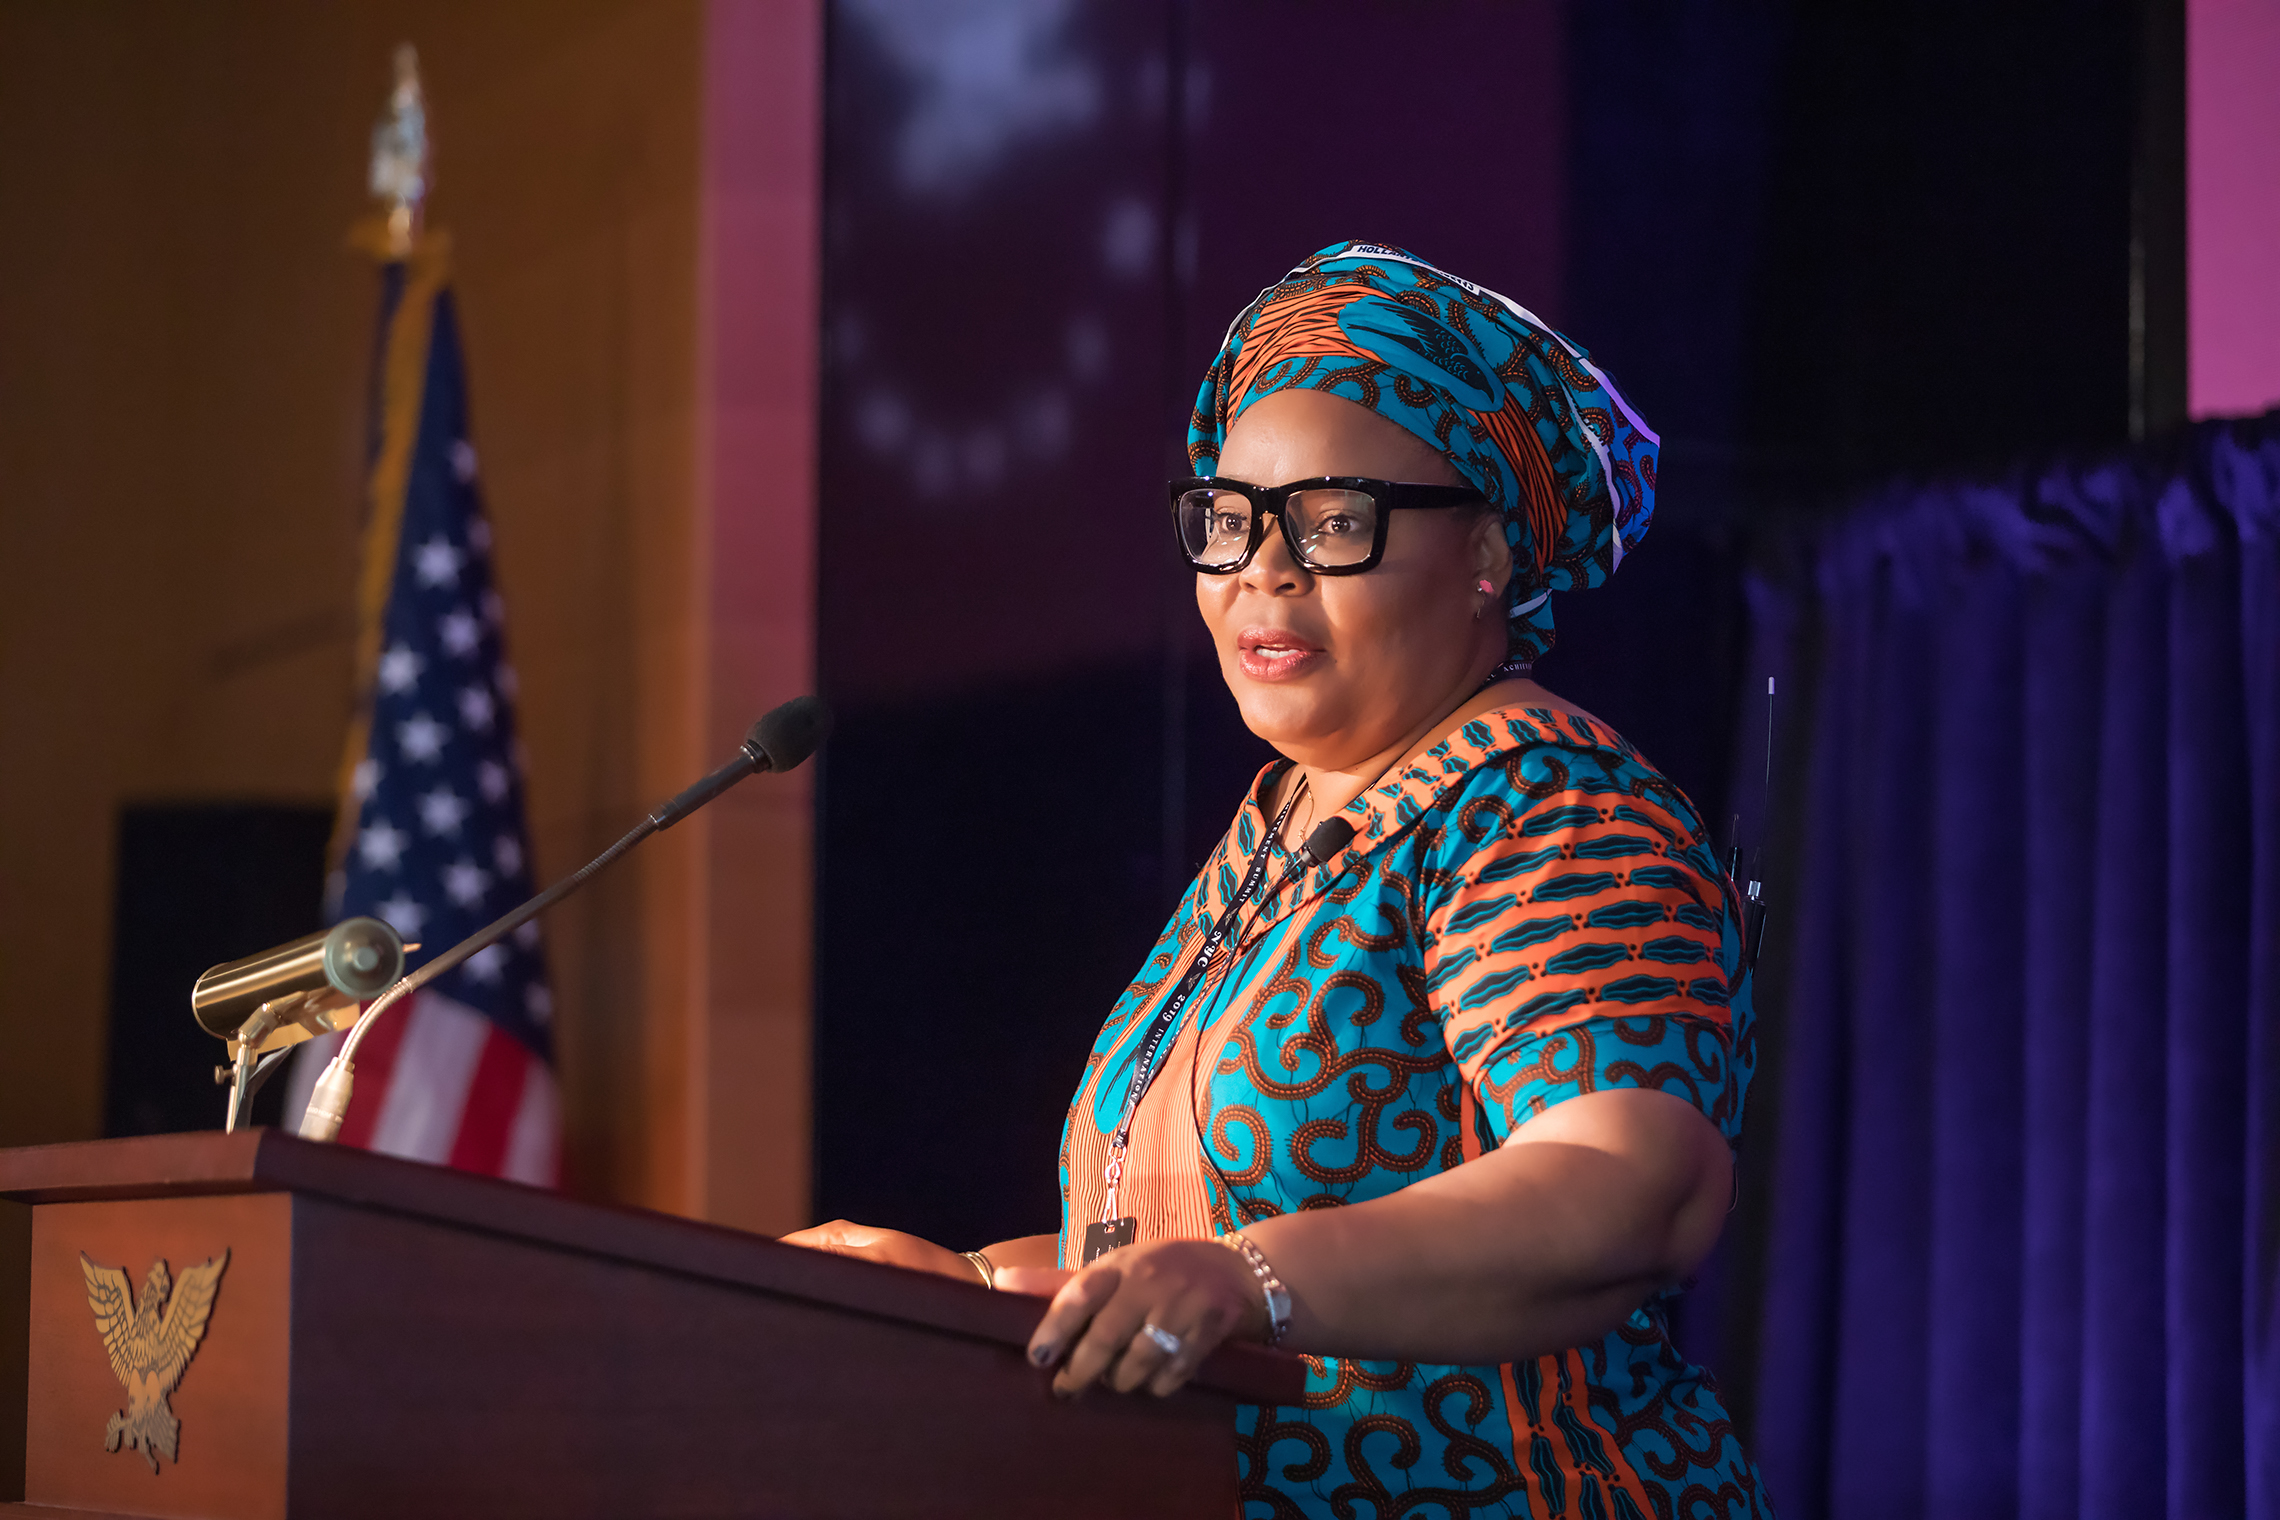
439, 849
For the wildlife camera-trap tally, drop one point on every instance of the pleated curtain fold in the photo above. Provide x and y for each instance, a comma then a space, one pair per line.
2022, 1207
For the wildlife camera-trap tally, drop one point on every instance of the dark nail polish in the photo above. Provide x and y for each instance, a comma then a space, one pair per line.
1041, 1355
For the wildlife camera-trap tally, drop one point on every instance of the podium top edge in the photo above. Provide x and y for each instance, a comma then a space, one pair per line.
268, 1161
142, 1166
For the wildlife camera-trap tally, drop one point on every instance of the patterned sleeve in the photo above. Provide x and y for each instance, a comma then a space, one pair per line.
1580, 940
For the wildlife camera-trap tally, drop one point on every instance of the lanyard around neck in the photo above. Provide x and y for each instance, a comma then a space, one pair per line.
1148, 1061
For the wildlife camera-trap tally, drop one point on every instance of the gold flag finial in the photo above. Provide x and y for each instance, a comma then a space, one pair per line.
401, 173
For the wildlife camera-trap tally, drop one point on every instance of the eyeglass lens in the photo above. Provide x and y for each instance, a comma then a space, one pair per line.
1333, 528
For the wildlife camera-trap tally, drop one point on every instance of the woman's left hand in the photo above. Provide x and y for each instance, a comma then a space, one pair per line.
844, 1237
1198, 1293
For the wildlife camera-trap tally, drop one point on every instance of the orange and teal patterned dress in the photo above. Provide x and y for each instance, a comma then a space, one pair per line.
1527, 913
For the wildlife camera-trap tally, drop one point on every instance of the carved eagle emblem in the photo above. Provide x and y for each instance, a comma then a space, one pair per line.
150, 1343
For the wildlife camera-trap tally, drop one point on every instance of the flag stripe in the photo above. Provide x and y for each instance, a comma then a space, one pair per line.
375, 1064
534, 1146
427, 1092
494, 1098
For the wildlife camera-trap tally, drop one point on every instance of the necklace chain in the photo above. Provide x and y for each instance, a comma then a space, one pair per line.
1298, 826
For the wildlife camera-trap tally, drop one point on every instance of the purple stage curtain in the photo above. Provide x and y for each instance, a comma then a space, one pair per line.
2023, 1037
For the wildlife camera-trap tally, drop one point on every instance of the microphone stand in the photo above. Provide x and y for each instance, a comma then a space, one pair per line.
779, 741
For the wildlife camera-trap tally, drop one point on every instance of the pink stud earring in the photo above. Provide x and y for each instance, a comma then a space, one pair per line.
1485, 588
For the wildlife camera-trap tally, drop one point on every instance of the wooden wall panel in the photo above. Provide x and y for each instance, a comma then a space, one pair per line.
756, 570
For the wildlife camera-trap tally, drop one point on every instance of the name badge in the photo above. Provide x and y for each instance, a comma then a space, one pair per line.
1100, 1239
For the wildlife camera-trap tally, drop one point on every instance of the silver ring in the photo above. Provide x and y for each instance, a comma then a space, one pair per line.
1166, 1342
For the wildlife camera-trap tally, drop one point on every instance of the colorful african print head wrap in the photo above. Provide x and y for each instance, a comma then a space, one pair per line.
1522, 412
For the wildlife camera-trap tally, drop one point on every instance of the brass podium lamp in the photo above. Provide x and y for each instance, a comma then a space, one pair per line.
266, 1004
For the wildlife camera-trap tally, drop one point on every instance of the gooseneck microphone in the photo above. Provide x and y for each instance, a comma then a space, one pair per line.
780, 741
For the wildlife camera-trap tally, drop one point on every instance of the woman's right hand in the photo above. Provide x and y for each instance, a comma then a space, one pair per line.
893, 1247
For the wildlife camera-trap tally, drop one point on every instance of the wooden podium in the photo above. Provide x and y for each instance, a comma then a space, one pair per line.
392, 1339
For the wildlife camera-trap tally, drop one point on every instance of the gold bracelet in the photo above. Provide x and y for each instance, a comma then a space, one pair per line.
982, 1265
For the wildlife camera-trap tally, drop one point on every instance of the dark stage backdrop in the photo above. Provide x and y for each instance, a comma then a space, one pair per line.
199, 883
2023, 1211
1812, 251
1820, 248
1039, 219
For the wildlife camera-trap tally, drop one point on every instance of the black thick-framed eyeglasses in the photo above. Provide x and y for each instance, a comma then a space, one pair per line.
1334, 524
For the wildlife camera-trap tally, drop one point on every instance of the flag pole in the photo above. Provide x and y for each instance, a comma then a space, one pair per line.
436, 834
401, 167
400, 175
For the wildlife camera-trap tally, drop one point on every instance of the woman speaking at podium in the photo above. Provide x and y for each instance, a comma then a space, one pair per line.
1434, 1075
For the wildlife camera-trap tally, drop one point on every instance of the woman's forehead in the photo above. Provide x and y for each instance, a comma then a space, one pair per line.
1294, 434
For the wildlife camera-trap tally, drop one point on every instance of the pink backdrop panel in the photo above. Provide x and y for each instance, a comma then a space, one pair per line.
2232, 128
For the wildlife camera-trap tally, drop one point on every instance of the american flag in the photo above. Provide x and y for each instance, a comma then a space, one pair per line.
433, 836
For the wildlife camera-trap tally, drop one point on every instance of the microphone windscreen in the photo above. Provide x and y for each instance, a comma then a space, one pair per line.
1329, 837
788, 735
